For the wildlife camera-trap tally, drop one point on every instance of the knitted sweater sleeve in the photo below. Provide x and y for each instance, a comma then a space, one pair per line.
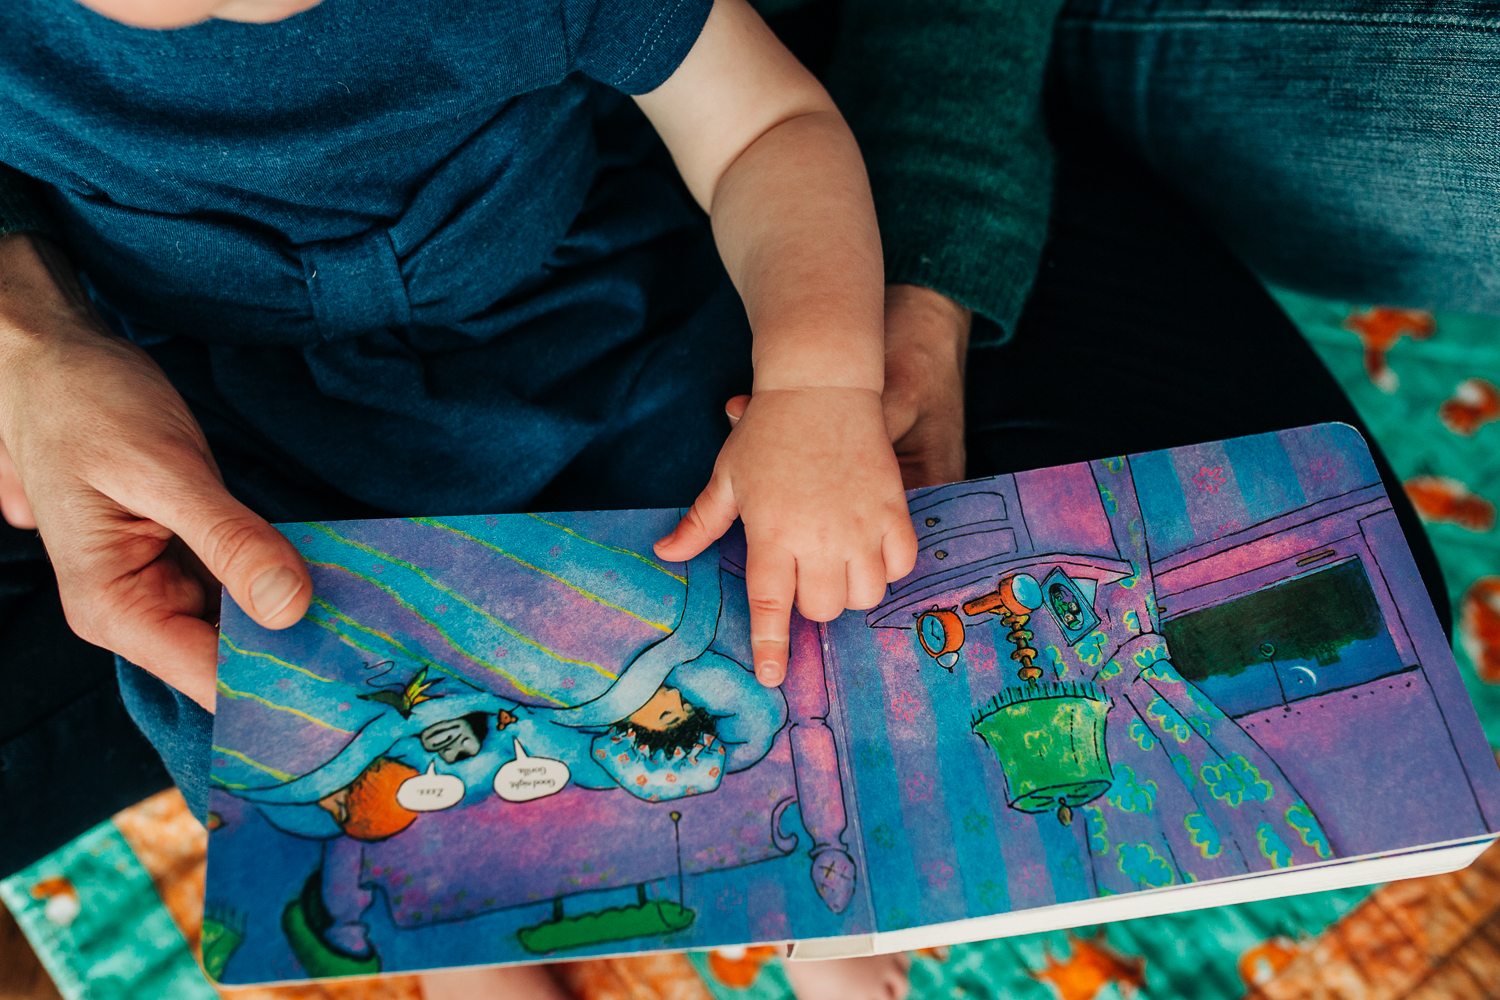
945, 99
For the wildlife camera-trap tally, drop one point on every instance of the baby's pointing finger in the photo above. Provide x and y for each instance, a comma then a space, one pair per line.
770, 582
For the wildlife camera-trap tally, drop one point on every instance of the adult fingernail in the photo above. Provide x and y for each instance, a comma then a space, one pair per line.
272, 591
767, 671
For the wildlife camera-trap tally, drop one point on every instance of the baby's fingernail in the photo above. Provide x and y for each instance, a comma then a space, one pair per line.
273, 590
766, 672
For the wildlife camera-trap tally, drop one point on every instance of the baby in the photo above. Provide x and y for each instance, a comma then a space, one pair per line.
360, 258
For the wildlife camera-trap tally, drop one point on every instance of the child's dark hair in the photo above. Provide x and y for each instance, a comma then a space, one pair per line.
480, 723
685, 734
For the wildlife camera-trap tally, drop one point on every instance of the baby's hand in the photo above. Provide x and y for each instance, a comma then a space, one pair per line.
812, 475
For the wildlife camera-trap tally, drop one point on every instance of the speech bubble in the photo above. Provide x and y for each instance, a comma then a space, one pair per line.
430, 792
527, 778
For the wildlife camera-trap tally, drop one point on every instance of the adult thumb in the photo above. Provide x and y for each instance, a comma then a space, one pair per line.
261, 570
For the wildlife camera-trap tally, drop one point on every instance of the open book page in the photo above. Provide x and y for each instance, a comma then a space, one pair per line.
1148, 671
508, 738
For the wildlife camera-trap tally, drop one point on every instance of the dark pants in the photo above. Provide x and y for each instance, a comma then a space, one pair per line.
1143, 331
69, 755
1347, 148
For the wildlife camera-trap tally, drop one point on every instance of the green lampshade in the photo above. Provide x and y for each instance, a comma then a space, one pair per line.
1050, 741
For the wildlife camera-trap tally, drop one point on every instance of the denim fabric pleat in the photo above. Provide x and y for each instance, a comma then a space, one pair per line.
1349, 148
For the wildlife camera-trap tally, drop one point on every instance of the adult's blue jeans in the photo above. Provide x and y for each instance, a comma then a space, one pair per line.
1348, 148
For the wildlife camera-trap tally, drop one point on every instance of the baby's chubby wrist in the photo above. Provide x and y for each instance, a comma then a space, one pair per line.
764, 389
852, 360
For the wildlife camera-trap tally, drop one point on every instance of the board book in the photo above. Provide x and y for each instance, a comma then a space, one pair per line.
1112, 689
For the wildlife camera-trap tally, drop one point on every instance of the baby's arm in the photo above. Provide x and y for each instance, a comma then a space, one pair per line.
809, 467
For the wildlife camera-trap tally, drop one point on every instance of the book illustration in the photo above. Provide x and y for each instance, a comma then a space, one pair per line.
514, 737
223, 930
1167, 668
442, 724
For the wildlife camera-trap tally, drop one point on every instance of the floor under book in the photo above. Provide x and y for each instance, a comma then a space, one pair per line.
119, 913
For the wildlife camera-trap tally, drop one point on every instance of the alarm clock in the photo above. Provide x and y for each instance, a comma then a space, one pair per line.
941, 633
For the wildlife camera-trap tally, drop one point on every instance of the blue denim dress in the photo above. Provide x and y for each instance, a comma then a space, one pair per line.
400, 258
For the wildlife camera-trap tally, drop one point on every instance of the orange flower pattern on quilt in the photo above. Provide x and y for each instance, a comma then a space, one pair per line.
1378, 329
1092, 966
738, 968
1474, 403
1260, 964
1479, 627
1445, 500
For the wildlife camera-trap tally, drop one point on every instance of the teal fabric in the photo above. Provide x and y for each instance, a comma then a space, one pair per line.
1189, 956
122, 945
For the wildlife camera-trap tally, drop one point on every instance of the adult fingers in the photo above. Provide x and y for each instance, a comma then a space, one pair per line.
866, 580
709, 517
920, 470
182, 651
14, 506
932, 451
770, 582
735, 408
129, 586
150, 629
901, 407
261, 570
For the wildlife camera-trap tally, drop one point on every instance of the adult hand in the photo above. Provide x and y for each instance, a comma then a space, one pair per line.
926, 342
105, 459
14, 506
